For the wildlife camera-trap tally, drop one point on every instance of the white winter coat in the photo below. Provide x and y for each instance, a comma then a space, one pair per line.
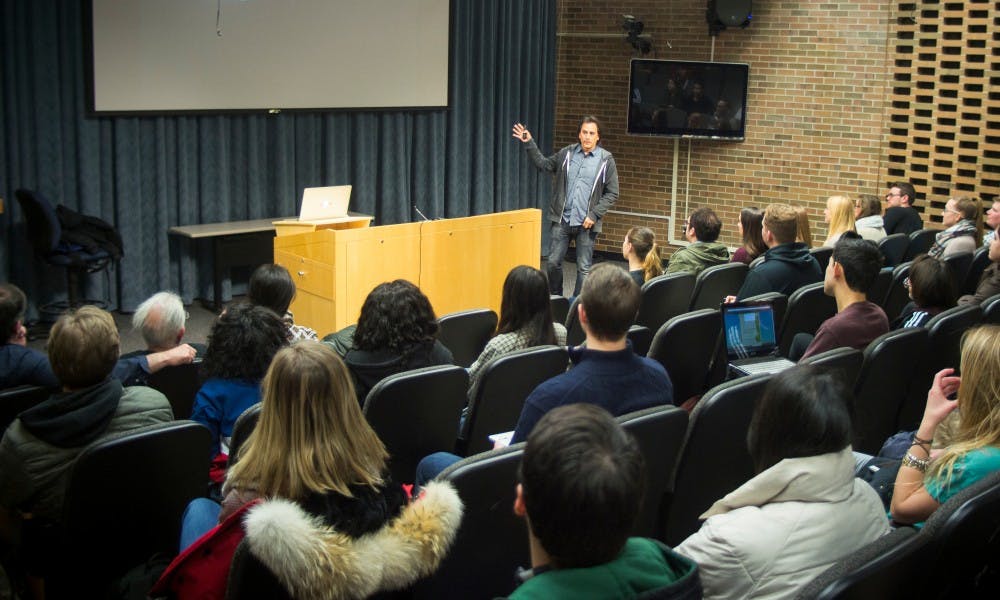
781, 529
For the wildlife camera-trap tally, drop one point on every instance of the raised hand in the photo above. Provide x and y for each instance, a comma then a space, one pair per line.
521, 132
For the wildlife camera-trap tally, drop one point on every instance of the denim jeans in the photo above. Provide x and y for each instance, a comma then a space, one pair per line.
200, 516
431, 466
561, 234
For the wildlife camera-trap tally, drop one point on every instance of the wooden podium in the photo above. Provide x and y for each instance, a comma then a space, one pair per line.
459, 263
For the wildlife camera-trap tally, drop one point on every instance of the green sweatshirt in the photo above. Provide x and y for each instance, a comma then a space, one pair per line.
698, 256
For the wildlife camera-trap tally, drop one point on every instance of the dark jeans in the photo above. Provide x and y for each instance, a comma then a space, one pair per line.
561, 235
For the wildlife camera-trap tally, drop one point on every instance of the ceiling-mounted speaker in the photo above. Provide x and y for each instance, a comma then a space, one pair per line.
730, 13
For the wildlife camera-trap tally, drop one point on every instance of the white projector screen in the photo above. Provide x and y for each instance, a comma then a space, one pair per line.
167, 56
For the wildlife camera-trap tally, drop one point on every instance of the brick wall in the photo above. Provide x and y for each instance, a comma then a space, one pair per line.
817, 107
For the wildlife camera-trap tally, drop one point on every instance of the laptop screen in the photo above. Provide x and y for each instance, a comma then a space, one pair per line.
749, 329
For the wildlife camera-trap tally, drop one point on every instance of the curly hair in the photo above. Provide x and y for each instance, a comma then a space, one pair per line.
397, 317
243, 341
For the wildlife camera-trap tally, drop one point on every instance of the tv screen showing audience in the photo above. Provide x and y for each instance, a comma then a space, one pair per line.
675, 98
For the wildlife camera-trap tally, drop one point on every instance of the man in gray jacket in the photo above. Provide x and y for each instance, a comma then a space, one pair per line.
584, 188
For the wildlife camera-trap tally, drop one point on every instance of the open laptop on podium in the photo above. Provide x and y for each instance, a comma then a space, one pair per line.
322, 203
751, 339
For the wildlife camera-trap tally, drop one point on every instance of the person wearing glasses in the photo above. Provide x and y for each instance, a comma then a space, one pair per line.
963, 217
900, 216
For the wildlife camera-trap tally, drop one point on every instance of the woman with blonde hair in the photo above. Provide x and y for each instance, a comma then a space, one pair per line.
802, 232
639, 248
963, 217
839, 213
925, 483
321, 472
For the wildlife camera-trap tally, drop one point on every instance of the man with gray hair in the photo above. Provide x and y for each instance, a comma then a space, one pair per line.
160, 319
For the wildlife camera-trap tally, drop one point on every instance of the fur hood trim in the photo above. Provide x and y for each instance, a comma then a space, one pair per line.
314, 561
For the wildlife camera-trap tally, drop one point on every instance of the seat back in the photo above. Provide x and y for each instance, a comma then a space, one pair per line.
560, 307
44, 230
492, 542
663, 298
180, 384
920, 242
685, 346
889, 567
944, 332
416, 413
714, 458
959, 266
125, 497
883, 385
898, 295
779, 303
466, 333
503, 387
659, 432
574, 331
822, 255
980, 260
880, 287
845, 360
808, 307
15, 400
893, 248
242, 428
641, 337
715, 283
991, 310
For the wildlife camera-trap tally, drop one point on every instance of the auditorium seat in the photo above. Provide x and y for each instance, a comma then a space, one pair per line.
715, 283
920, 242
822, 256
893, 248
242, 428
15, 400
180, 384
898, 295
808, 307
991, 310
980, 260
466, 333
574, 331
663, 298
640, 338
846, 360
685, 346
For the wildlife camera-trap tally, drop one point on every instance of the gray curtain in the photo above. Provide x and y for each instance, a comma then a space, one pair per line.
146, 174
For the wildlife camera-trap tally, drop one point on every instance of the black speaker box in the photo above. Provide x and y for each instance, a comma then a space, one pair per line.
732, 13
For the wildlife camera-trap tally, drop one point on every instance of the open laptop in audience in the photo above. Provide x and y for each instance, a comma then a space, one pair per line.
325, 203
751, 338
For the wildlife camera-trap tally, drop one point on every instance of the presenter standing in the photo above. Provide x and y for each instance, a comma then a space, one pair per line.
584, 188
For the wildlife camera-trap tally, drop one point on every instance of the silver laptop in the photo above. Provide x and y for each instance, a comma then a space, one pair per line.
323, 203
751, 339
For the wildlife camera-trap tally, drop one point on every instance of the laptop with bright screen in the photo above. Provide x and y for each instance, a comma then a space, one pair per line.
751, 338
323, 203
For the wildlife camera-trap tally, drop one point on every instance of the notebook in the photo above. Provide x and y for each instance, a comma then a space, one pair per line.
751, 341
322, 203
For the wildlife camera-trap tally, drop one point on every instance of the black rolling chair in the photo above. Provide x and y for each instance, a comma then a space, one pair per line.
883, 385
944, 333
242, 428
959, 265
502, 389
822, 255
574, 331
492, 541
808, 307
416, 413
846, 360
920, 242
715, 283
560, 308
880, 288
124, 499
714, 459
659, 432
180, 384
641, 337
991, 310
466, 333
685, 346
980, 260
898, 295
893, 248
46, 236
663, 298
15, 400
889, 567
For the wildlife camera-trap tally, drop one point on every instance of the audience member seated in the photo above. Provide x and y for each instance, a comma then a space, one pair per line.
240, 347
787, 265
839, 215
525, 321
397, 331
963, 217
803, 232
927, 481
581, 488
642, 254
750, 223
271, 286
332, 522
702, 231
900, 216
804, 510
932, 290
992, 223
20, 365
160, 319
40, 447
852, 270
605, 371
989, 282
868, 217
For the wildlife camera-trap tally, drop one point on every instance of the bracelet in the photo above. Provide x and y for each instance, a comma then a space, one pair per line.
915, 463
917, 439
921, 445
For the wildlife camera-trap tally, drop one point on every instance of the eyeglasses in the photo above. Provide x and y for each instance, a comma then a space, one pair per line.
906, 283
950, 210
891, 194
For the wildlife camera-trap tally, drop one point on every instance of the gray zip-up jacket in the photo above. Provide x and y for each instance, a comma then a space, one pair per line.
603, 192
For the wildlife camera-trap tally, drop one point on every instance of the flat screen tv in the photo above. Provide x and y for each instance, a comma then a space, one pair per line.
675, 98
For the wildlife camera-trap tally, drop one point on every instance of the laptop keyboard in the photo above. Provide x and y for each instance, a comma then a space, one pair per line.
771, 366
